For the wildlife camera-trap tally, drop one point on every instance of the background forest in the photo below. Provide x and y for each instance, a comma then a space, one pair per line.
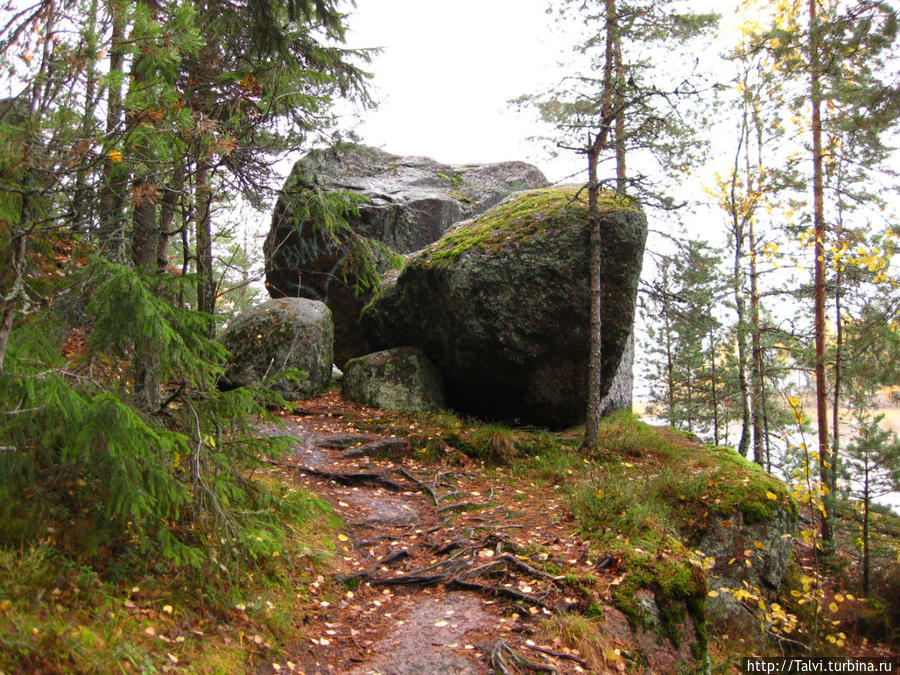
136, 138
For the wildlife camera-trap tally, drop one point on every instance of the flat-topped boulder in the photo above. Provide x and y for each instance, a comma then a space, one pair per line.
501, 305
407, 203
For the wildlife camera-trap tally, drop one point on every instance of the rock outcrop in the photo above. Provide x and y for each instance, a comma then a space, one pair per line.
409, 203
395, 379
278, 335
764, 544
501, 305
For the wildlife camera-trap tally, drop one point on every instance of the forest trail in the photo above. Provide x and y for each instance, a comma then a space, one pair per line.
442, 566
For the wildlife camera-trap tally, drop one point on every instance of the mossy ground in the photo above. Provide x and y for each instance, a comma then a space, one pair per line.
643, 500
129, 613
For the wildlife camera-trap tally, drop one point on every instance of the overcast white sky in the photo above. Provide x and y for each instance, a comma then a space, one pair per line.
447, 72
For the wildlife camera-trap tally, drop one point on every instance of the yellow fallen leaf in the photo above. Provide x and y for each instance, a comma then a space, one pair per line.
441, 624
343, 537
167, 609
713, 594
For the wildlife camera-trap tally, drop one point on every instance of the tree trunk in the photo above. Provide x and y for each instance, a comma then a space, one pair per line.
670, 365
819, 267
591, 440
715, 396
621, 181
741, 337
167, 217
29, 185
737, 287
865, 536
111, 234
838, 365
756, 354
11, 299
206, 287
82, 215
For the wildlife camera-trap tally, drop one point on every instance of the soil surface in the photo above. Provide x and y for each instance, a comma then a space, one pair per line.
442, 567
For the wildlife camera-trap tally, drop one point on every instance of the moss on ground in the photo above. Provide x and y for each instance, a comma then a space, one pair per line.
59, 614
646, 497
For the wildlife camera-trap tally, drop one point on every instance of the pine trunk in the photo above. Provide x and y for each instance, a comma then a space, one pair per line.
756, 355
206, 287
819, 267
714, 391
865, 536
111, 233
591, 440
11, 299
838, 365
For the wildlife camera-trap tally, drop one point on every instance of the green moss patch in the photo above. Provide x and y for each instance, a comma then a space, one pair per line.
518, 219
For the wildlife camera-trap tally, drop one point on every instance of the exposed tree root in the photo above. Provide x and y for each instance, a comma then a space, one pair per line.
461, 506
498, 591
363, 574
506, 660
350, 478
559, 655
339, 441
422, 485
385, 446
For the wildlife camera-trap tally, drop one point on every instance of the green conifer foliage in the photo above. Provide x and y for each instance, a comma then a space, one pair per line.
78, 452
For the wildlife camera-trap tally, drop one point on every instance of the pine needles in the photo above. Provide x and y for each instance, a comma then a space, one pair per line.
90, 466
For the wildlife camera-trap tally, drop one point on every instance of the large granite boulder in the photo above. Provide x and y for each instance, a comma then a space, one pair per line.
409, 202
501, 305
394, 379
278, 335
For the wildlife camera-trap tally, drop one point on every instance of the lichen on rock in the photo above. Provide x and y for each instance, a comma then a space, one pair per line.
287, 334
389, 205
395, 379
501, 305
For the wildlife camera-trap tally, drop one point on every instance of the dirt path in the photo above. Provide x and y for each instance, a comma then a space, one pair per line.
441, 568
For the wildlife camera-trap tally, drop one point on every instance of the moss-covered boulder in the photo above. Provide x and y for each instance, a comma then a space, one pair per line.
501, 305
409, 202
394, 379
277, 336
